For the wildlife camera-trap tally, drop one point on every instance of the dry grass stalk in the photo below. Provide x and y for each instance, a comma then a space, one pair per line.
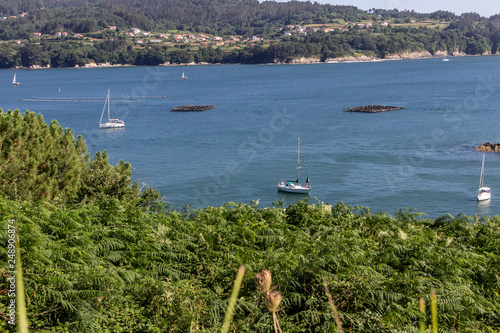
263, 280
273, 300
334, 308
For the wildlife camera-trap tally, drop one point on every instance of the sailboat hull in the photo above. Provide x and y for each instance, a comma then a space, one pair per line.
484, 193
293, 188
112, 125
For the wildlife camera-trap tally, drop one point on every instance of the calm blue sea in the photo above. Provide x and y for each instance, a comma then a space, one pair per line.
421, 157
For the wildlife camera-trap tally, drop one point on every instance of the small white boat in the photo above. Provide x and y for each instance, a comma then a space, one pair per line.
184, 77
111, 123
293, 186
484, 193
14, 81
446, 59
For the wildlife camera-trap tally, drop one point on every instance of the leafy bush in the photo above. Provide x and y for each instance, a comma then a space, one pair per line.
40, 162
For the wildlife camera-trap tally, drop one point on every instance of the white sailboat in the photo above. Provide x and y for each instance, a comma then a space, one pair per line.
111, 123
14, 81
293, 186
184, 77
446, 59
484, 193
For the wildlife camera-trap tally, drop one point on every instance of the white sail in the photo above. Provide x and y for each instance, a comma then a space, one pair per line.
14, 81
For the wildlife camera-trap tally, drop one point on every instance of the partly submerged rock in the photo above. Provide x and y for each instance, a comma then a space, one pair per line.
188, 108
489, 146
373, 108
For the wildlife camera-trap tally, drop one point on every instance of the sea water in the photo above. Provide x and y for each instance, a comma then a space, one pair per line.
422, 156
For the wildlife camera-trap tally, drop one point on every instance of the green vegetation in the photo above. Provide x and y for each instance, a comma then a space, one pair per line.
41, 163
326, 31
106, 257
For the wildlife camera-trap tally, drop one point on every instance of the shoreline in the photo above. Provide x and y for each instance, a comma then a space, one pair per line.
298, 61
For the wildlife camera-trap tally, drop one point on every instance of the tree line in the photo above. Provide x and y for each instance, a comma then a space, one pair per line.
225, 17
468, 33
471, 39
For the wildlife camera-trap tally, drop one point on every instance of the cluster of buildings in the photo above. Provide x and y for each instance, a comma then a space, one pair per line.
14, 16
58, 34
299, 30
200, 39
302, 31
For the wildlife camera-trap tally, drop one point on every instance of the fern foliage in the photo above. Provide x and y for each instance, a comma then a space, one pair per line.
111, 266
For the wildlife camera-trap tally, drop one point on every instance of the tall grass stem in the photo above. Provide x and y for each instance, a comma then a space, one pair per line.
434, 313
232, 300
422, 315
334, 308
22, 323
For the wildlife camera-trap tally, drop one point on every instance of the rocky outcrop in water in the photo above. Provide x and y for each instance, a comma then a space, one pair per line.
490, 147
188, 108
373, 108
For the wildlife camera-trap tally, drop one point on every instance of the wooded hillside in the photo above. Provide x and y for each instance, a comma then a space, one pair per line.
75, 33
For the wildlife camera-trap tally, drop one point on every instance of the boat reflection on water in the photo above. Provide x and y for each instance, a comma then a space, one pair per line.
483, 207
291, 198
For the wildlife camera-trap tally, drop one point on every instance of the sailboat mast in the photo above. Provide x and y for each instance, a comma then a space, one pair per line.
108, 104
482, 173
298, 158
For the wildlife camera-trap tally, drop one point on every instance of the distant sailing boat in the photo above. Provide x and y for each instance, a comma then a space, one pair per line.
14, 81
293, 186
111, 123
184, 77
484, 193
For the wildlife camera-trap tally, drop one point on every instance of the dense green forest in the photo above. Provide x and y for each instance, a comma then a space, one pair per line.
465, 34
102, 253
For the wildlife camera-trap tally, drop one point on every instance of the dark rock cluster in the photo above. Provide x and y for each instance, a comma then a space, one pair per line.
373, 108
187, 108
489, 146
